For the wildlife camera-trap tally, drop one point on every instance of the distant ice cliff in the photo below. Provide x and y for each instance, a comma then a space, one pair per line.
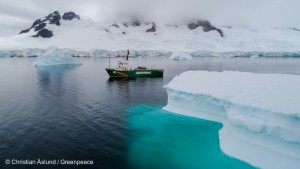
176, 55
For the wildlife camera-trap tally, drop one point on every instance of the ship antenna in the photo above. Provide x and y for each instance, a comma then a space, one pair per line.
109, 62
127, 55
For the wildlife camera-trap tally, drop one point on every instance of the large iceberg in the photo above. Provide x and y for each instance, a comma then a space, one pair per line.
53, 56
260, 113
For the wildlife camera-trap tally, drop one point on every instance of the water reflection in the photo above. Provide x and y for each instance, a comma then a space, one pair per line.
56, 87
137, 90
52, 74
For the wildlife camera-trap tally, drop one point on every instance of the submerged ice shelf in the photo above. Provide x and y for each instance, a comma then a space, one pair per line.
260, 113
159, 140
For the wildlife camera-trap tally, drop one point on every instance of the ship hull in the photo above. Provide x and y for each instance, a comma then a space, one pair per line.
135, 73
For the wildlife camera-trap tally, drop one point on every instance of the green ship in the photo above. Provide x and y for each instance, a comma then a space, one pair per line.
123, 70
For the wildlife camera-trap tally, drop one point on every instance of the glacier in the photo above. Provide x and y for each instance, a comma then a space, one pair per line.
34, 52
176, 55
260, 113
53, 56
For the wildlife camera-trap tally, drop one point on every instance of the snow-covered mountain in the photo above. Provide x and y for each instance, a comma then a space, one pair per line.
199, 37
40, 25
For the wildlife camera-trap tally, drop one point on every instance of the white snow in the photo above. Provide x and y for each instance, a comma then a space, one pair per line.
53, 56
86, 36
260, 113
179, 55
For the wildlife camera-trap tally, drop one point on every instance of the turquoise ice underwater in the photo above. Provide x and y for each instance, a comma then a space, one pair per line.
159, 139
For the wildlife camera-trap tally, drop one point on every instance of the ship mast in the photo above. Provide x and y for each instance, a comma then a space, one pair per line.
127, 55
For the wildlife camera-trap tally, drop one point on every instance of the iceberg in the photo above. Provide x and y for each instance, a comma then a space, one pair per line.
260, 113
181, 56
53, 56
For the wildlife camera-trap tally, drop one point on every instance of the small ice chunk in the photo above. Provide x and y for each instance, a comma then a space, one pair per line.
179, 55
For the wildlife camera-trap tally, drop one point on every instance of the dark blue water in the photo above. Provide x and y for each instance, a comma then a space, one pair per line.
78, 113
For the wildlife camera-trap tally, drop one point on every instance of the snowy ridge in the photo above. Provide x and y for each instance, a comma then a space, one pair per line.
86, 36
261, 118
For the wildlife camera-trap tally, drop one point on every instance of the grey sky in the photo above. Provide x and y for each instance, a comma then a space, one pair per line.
18, 14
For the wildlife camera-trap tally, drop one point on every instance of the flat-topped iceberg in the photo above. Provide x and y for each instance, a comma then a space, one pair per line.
54, 56
260, 113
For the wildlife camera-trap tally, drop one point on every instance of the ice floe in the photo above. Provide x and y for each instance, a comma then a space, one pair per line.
260, 113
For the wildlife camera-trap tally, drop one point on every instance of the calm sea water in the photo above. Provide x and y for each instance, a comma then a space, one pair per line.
78, 113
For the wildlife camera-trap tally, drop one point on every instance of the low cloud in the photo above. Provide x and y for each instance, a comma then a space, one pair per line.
257, 13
